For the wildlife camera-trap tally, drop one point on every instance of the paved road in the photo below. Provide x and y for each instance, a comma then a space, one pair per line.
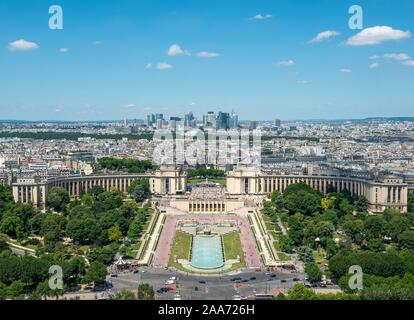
216, 287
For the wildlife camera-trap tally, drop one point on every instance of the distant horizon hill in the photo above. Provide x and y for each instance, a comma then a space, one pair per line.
369, 119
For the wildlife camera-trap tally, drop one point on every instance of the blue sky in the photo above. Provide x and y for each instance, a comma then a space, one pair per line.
111, 60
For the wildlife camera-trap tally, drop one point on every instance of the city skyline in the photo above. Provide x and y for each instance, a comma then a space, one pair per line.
133, 58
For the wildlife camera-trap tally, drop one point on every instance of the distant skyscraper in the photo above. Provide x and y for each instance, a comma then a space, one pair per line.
223, 120
173, 123
277, 123
209, 119
150, 120
189, 120
160, 123
234, 120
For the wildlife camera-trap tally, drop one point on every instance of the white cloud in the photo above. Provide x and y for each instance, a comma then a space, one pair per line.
22, 45
374, 57
148, 66
377, 35
176, 50
63, 50
206, 54
130, 105
262, 17
98, 42
345, 70
397, 56
303, 82
163, 66
374, 65
285, 63
409, 63
325, 35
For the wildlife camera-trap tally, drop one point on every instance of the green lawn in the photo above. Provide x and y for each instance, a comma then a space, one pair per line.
283, 256
233, 248
215, 180
180, 248
131, 250
274, 230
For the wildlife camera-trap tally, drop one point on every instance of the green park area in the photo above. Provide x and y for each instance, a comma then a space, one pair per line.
211, 180
180, 249
274, 230
82, 235
233, 249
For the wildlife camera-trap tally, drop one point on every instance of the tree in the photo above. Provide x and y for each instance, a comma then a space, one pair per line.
361, 204
303, 201
376, 245
136, 226
277, 200
397, 224
114, 233
135, 229
330, 215
87, 199
313, 272
83, 229
15, 290
104, 255
73, 270
324, 229
44, 291
295, 230
286, 244
95, 191
141, 191
330, 246
6, 198
302, 198
385, 264
12, 226
411, 202
300, 292
58, 198
96, 273
328, 202
354, 228
406, 239
306, 254
145, 292
375, 227
345, 208
108, 200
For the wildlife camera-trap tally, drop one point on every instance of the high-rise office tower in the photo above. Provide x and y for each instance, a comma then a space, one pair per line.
223, 121
277, 123
209, 119
234, 120
189, 120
